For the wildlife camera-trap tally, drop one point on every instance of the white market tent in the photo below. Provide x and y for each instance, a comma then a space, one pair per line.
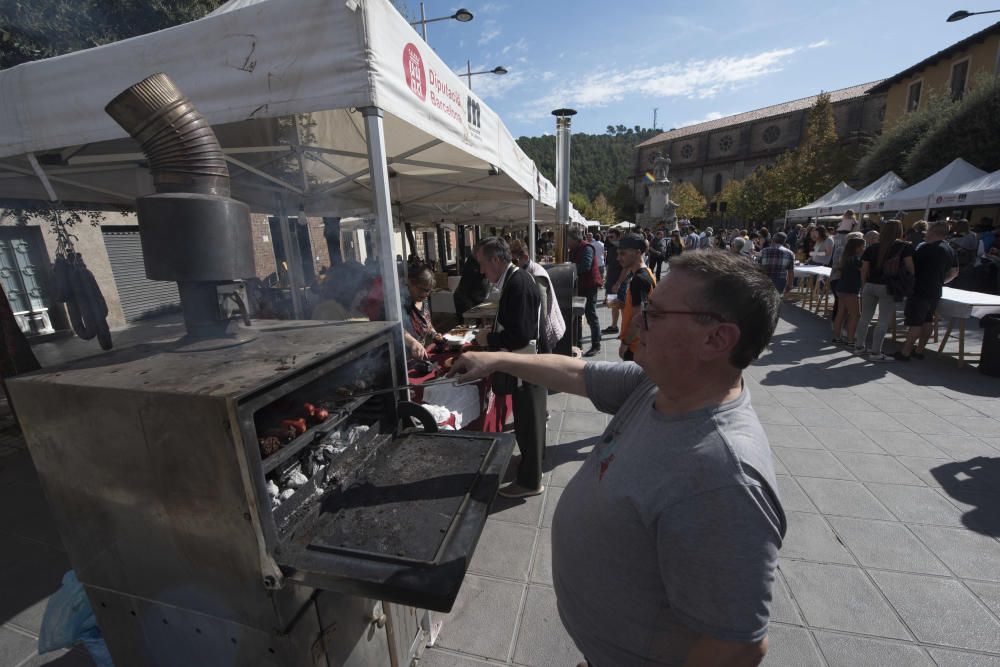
624, 224
982, 191
840, 191
324, 108
917, 196
861, 201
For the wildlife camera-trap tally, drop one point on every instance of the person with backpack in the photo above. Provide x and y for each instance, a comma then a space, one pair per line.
893, 256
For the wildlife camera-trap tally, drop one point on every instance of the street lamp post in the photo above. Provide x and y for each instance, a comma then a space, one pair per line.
499, 71
962, 14
462, 16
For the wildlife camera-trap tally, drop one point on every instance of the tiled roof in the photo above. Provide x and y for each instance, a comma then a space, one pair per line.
759, 114
883, 86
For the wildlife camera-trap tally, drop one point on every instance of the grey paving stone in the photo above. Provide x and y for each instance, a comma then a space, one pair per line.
779, 467
948, 407
484, 618
437, 658
946, 658
810, 538
980, 426
940, 611
783, 609
527, 511
961, 447
799, 437
542, 640
874, 421
845, 438
541, 566
552, 495
25, 512
854, 651
917, 504
775, 414
588, 423
15, 646
969, 555
899, 443
887, 545
793, 498
75, 657
852, 403
580, 404
812, 463
563, 472
796, 399
29, 573
822, 417
555, 420
897, 407
843, 498
989, 593
585, 440
927, 423
922, 467
877, 468
790, 646
504, 550
841, 598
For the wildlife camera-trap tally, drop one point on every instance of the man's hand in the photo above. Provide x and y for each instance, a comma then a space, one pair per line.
472, 366
622, 349
413, 347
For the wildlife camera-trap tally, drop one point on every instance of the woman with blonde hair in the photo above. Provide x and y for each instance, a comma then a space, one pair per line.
874, 292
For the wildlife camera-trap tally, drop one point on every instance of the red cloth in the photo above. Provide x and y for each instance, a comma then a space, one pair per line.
591, 279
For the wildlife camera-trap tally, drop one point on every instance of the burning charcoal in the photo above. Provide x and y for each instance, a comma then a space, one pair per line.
283, 434
269, 446
272, 489
287, 493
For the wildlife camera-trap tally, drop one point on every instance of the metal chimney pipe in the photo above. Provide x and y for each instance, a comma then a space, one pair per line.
192, 232
563, 119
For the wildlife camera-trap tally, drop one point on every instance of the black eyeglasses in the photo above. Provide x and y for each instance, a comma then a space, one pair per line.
646, 313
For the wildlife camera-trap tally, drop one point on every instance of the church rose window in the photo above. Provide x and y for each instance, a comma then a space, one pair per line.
687, 150
726, 143
771, 134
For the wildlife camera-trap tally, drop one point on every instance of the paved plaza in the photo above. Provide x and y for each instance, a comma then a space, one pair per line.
889, 474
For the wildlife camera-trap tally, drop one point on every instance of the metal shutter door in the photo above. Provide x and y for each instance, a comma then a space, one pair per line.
140, 296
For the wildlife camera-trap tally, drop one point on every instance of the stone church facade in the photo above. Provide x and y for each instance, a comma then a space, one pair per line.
712, 153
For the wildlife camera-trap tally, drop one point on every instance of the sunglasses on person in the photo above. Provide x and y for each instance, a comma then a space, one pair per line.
647, 312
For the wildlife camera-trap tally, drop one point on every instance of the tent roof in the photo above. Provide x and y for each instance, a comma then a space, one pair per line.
957, 172
981, 191
840, 191
282, 82
860, 200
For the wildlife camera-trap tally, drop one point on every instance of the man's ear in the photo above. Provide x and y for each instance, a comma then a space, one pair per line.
721, 340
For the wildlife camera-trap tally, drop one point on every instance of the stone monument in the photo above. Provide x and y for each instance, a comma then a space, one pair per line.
659, 210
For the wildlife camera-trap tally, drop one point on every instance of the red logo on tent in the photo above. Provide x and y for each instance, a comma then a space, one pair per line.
413, 67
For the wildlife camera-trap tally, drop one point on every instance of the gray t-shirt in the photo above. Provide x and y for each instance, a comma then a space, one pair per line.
670, 530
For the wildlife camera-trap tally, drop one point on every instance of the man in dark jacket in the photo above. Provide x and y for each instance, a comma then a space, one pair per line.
588, 280
516, 328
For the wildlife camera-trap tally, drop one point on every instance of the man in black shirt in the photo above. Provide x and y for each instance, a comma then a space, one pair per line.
935, 265
614, 272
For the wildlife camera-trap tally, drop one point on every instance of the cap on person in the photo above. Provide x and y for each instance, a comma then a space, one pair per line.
633, 242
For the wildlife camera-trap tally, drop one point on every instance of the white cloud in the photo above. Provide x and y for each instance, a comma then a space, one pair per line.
548, 76
695, 79
820, 44
491, 86
491, 8
490, 32
519, 45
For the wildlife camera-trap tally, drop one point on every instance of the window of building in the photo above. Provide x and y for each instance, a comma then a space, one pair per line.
712, 207
771, 134
959, 74
913, 96
718, 183
687, 150
726, 143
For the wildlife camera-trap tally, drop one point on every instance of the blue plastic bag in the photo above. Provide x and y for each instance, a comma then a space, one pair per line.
68, 619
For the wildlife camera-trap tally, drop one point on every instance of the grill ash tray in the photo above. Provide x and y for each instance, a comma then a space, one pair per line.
406, 528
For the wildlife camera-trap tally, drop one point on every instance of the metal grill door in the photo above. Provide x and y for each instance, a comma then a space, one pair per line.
140, 296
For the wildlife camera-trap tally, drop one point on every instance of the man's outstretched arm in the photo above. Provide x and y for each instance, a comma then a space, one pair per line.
553, 371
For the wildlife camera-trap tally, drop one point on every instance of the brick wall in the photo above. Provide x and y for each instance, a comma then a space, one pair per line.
263, 248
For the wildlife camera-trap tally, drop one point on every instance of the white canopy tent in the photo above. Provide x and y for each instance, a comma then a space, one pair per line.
917, 196
861, 201
840, 191
982, 191
624, 224
322, 108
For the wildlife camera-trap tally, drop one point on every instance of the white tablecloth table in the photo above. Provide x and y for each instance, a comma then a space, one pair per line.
816, 286
957, 306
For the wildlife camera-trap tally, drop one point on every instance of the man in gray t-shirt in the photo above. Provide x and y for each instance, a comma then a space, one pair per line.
664, 544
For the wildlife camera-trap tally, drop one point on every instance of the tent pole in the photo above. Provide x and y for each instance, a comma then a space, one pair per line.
531, 230
291, 257
382, 205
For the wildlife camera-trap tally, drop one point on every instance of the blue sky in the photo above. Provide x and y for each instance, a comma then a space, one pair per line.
615, 61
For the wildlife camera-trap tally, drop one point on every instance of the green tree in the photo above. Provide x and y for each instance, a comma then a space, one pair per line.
969, 131
624, 202
579, 202
691, 204
890, 150
602, 210
46, 28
